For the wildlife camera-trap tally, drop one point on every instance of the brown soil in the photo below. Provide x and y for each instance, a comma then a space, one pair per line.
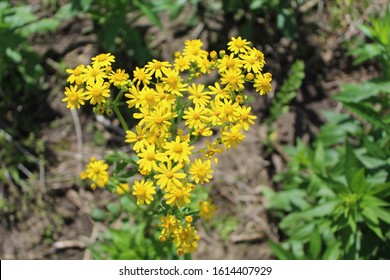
57, 223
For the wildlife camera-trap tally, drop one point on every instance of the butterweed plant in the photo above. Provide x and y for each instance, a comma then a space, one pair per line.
173, 109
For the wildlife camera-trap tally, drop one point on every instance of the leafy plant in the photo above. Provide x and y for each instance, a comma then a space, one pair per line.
336, 194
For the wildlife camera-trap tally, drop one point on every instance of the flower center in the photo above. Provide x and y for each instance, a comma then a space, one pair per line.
177, 148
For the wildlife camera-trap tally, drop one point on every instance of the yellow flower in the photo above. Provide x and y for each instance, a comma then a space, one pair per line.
172, 82
97, 172
144, 191
193, 50
206, 210
186, 239
233, 78
263, 83
232, 137
237, 45
147, 98
77, 75
196, 117
74, 97
141, 76
178, 151
134, 97
103, 60
159, 119
252, 62
149, 157
119, 78
228, 110
244, 116
212, 150
156, 67
220, 93
93, 74
122, 189
97, 92
178, 196
182, 63
198, 95
168, 224
201, 171
229, 62
139, 138
169, 176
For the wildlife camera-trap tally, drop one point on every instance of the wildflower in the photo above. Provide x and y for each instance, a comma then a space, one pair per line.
178, 196
198, 95
220, 93
233, 78
202, 130
196, 117
178, 150
144, 191
228, 109
103, 60
74, 97
173, 82
237, 45
121, 189
119, 78
193, 50
263, 83
157, 67
93, 74
186, 238
77, 75
229, 62
244, 116
139, 138
141, 76
169, 176
97, 92
212, 150
168, 224
134, 97
97, 172
232, 137
149, 157
147, 98
206, 210
159, 119
201, 171
182, 63
215, 111
251, 62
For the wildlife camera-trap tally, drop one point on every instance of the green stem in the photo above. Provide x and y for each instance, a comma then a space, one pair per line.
119, 115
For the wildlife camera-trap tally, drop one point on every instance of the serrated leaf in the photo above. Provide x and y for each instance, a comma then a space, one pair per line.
366, 111
354, 93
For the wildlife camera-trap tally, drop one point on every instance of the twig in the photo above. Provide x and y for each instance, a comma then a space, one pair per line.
79, 136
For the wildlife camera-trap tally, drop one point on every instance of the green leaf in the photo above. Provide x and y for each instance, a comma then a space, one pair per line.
315, 244
148, 11
98, 215
382, 214
366, 111
280, 252
372, 221
114, 208
355, 93
371, 162
332, 252
358, 183
319, 157
351, 166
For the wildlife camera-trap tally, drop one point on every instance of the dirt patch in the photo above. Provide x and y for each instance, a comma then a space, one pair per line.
56, 223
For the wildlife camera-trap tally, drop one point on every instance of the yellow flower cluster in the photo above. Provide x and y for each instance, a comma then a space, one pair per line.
96, 172
174, 109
